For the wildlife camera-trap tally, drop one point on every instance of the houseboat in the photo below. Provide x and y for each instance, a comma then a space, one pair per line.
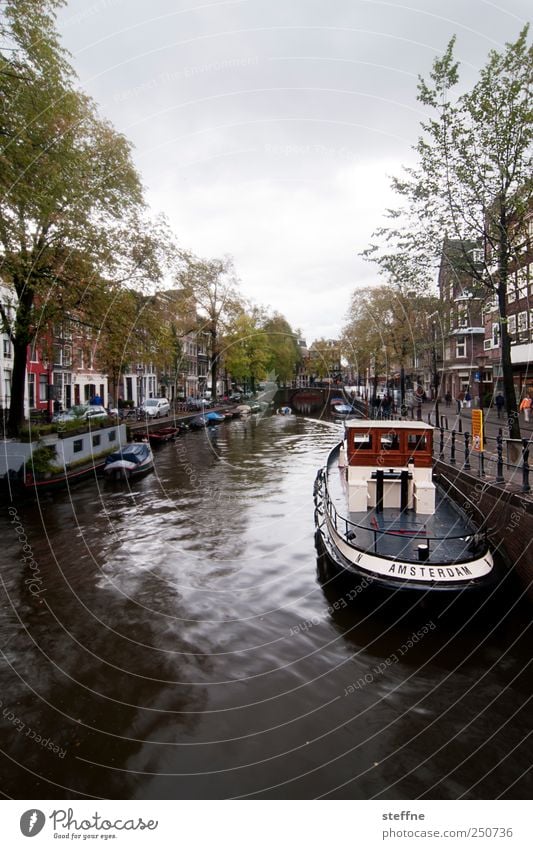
382, 514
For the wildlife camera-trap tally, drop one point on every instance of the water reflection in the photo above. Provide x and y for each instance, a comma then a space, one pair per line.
184, 646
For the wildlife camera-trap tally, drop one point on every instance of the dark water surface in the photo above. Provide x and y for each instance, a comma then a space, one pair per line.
184, 646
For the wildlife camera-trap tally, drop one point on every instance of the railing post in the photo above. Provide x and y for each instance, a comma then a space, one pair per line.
499, 451
452, 454
460, 425
481, 464
466, 464
419, 412
525, 466
441, 446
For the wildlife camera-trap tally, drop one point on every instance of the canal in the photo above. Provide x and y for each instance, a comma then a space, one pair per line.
174, 639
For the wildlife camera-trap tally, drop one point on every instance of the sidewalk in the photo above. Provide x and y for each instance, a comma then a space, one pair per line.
491, 421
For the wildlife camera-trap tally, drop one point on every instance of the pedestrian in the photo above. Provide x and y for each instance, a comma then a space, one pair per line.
448, 398
468, 399
525, 407
500, 404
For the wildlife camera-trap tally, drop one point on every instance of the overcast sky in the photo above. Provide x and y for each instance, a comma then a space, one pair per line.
267, 129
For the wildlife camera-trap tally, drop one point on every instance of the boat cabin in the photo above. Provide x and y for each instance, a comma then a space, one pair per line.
389, 465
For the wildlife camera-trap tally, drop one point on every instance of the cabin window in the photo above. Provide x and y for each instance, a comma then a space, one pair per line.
362, 441
417, 442
77, 446
390, 442
96, 440
112, 435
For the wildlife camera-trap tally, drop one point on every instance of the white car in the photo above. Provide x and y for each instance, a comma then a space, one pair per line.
82, 412
155, 407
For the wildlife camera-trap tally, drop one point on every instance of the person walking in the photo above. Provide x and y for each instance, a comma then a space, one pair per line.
525, 407
500, 404
468, 399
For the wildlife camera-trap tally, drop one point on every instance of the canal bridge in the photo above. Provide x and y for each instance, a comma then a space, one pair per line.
309, 398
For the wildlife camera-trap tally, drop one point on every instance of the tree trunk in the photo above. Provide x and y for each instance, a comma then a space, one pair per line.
18, 386
507, 366
214, 364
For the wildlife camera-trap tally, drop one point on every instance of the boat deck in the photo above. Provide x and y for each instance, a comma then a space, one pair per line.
449, 535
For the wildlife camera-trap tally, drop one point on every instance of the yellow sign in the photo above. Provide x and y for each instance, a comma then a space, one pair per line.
478, 437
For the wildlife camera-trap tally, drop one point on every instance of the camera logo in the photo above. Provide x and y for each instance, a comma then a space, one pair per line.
32, 822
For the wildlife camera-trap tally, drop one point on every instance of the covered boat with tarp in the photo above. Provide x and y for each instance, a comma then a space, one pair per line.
131, 461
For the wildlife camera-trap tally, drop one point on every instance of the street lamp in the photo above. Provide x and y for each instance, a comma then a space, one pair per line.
481, 360
140, 374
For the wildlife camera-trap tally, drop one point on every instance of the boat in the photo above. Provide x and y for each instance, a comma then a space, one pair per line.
215, 418
131, 461
284, 411
164, 434
197, 422
342, 409
243, 410
382, 514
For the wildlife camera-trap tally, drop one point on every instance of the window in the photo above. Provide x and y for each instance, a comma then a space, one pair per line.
511, 324
416, 442
511, 294
460, 346
487, 344
7, 383
31, 390
96, 440
495, 335
112, 435
522, 322
43, 387
362, 441
77, 446
7, 349
521, 282
462, 317
390, 441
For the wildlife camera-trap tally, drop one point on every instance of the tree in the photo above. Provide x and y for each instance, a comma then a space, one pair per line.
387, 328
473, 181
212, 284
245, 351
71, 202
325, 357
284, 352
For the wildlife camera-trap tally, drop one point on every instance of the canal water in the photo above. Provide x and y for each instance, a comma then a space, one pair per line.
175, 639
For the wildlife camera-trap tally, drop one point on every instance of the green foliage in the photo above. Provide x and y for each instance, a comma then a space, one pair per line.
284, 353
472, 183
71, 202
42, 459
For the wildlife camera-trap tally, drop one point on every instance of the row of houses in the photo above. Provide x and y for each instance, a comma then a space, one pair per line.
470, 338
64, 369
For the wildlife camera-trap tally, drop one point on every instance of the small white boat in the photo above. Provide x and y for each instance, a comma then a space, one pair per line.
131, 461
243, 410
284, 411
382, 515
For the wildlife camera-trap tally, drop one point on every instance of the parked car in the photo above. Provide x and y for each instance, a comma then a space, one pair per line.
81, 412
155, 407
